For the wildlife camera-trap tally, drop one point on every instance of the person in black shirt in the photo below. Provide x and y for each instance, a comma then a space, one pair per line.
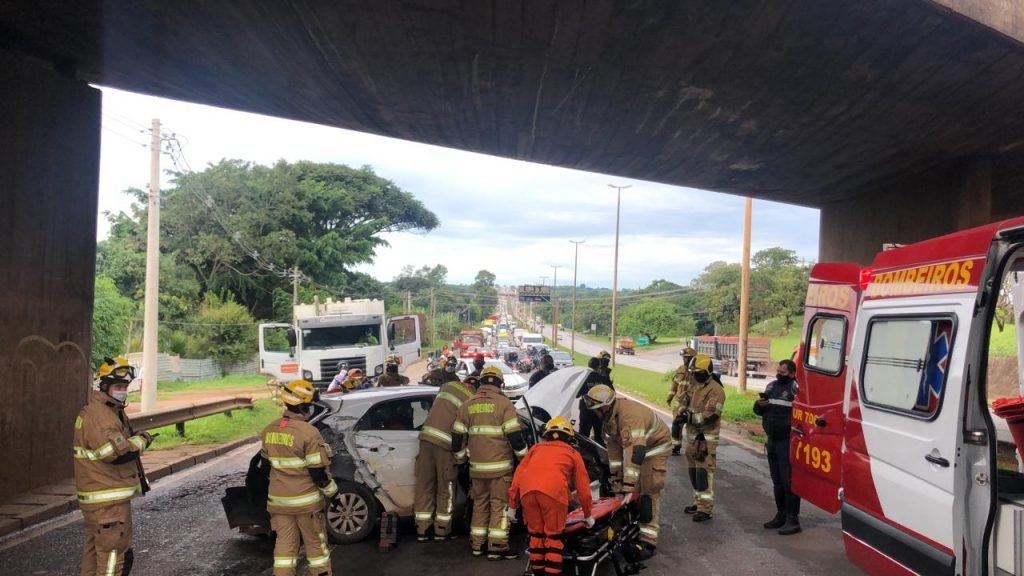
547, 366
775, 407
590, 423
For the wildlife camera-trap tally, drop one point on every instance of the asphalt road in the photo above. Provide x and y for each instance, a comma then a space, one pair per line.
180, 530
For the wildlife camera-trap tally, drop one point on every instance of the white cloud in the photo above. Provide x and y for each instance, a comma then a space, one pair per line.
513, 218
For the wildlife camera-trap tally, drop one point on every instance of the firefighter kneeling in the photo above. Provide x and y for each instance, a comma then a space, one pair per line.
542, 483
298, 460
638, 445
490, 422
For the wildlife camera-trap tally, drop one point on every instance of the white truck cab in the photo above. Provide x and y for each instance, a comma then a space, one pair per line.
324, 334
892, 425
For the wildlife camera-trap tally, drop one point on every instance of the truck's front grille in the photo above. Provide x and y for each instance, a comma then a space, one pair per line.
329, 366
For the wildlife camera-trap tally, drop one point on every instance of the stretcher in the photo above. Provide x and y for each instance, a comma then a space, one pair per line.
615, 536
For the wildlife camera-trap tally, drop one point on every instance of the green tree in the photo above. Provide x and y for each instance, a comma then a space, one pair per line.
650, 318
112, 314
224, 331
720, 284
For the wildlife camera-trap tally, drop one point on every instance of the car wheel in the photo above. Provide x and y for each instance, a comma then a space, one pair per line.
352, 514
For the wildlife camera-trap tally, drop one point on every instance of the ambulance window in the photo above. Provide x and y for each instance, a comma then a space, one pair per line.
905, 368
826, 344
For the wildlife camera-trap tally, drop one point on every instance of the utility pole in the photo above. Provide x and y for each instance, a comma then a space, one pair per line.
554, 308
408, 301
741, 359
295, 293
615, 268
151, 318
575, 265
433, 320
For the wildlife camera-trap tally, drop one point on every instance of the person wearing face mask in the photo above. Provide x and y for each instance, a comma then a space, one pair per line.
775, 407
108, 473
702, 416
441, 376
391, 377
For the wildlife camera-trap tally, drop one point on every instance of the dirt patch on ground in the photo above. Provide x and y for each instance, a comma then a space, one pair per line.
1002, 378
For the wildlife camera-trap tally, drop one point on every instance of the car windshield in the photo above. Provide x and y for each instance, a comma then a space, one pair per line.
338, 336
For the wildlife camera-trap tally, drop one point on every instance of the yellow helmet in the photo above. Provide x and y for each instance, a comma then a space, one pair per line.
604, 355
702, 363
115, 370
599, 396
688, 352
492, 375
393, 359
297, 393
558, 425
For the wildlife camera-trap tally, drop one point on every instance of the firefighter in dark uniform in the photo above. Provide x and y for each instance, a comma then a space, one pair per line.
391, 377
775, 407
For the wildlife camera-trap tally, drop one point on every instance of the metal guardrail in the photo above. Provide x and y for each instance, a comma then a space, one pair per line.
177, 416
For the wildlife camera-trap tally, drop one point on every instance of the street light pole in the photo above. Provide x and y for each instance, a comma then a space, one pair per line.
554, 308
575, 265
615, 268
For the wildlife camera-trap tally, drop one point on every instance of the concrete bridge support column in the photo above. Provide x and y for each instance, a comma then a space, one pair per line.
49, 172
953, 196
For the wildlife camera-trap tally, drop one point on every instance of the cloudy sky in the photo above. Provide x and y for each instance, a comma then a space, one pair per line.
510, 217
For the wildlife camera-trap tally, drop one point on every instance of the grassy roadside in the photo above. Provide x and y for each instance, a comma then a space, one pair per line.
219, 428
654, 387
232, 385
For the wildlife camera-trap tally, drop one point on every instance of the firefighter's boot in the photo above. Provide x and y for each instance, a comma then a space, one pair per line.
780, 510
792, 526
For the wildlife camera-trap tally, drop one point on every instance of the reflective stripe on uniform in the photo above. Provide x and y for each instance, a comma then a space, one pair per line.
459, 427
631, 472
318, 561
444, 518
478, 531
510, 425
497, 533
437, 433
112, 495
451, 398
637, 434
139, 442
313, 460
484, 430
294, 501
615, 464
777, 402
285, 561
521, 453
330, 490
499, 466
707, 437
287, 463
659, 449
647, 530
424, 516
111, 563
97, 454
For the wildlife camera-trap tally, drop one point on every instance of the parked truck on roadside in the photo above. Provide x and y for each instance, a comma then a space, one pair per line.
896, 422
356, 332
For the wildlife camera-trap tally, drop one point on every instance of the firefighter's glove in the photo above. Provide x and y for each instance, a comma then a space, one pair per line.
589, 520
511, 514
683, 417
701, 450
147, 437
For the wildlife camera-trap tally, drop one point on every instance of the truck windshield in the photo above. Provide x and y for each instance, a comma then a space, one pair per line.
338, 336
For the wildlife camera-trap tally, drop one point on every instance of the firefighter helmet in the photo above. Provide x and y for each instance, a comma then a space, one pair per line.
472, 380
688, 352
394, 359
492, 375
558, 425
702, 363
604, 355
115, 370
599, 396
297, 393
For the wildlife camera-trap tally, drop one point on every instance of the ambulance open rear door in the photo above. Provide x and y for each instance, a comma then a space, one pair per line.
818, 420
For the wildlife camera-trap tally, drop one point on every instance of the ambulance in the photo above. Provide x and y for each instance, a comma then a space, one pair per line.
893, 426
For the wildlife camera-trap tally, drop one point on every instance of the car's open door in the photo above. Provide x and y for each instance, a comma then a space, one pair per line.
403, 335
818, 420
277, 357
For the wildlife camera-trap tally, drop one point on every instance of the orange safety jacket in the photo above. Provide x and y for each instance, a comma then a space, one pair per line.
550, 467
106, 453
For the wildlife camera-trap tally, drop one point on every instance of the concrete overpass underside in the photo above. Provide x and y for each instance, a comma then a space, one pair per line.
900, 119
